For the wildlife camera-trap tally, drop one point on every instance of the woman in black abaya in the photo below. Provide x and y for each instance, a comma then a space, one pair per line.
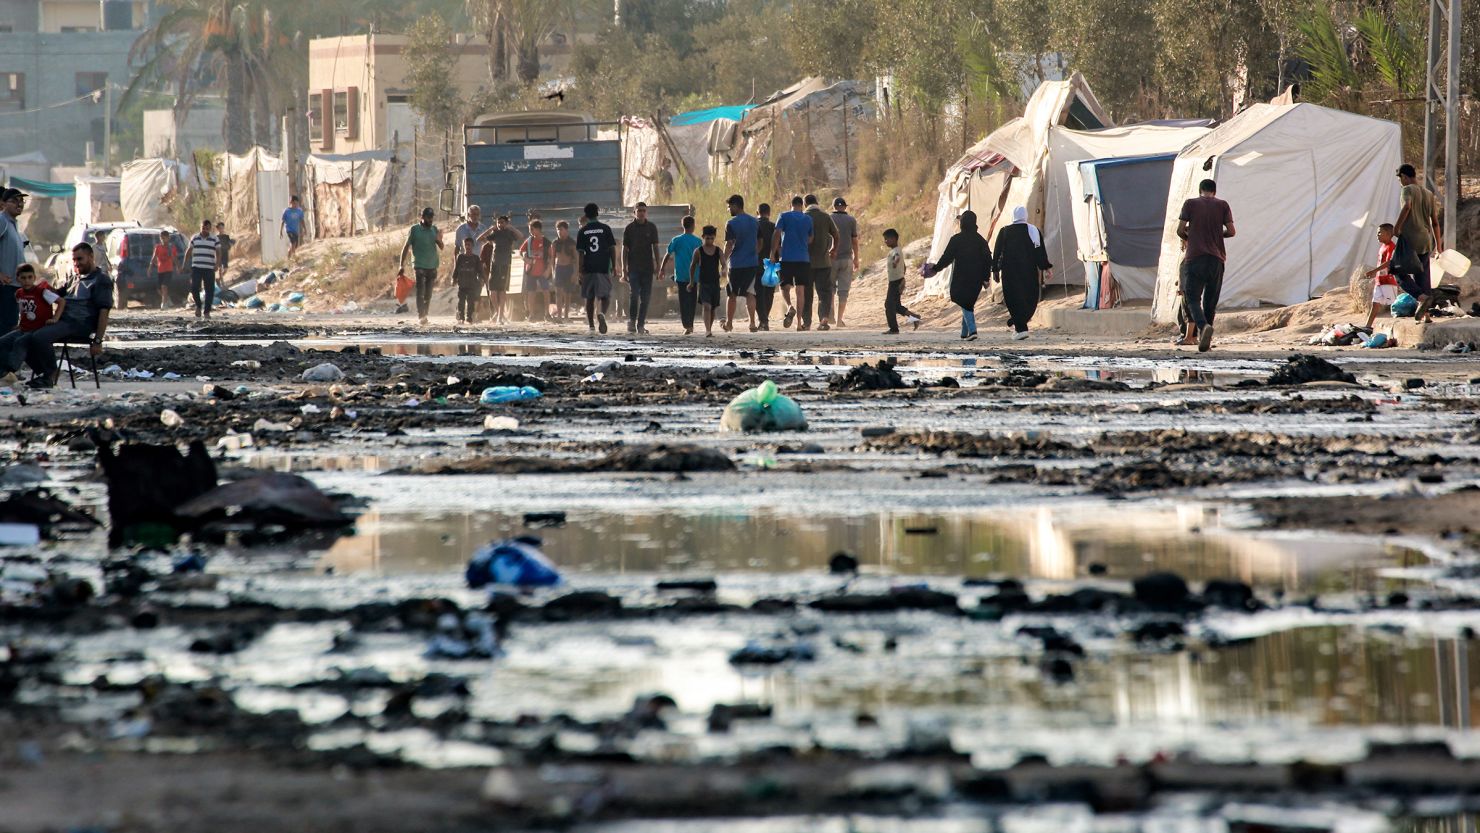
1021, 263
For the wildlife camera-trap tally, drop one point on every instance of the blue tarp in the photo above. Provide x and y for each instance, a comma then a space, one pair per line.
37, 188
733, 112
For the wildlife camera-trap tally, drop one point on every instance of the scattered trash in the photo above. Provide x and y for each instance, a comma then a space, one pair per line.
191, 562
508, 393
247, 364
146, 483
170, 377
1301, 369
1459, 347
326, 372
266, 426
135, 373
463, 636
256, 303
1341, 335
234, 442
1405, 306
294, 298
1379, 341
515, 561
881, 376
763, 408
171, 419
272, 498
310, 408
842, 563
755, 654
729, 370
500, 423
535, 520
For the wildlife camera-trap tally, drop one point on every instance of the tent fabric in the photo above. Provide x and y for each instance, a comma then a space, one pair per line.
239, 176
147, 187
1308, 186
807, 133
50, 190
1129, 196
97, 200
734, 112
1023, 143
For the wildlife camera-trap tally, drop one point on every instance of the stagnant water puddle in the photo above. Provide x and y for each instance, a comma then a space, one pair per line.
1039, 542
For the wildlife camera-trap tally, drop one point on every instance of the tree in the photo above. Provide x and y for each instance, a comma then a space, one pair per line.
835, 40
429, 72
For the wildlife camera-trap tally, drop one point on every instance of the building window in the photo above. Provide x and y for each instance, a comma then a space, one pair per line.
91, 82
72, 30
316, 118
398, 98
341, 111
7, 27
12, 91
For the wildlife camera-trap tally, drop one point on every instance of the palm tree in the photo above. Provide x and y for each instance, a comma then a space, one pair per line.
491, 19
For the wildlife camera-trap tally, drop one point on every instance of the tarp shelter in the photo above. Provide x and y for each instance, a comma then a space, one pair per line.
808, 133
349, 194
647, 169
1119, 220
147, 187
256, 193
1009, 168
1064, 194
44, 190
97, 200
1308, 187
705, 140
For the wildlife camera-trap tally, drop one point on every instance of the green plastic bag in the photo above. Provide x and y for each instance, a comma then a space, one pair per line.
763, 409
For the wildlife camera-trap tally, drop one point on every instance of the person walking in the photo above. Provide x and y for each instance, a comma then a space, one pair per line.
423, 242
503, 239
1418, 231
894, 297
1020, 262
681, 255
743, 256
1205, 222
471, 226
202, 255
971, 258
792, 249
765, 296
845, 255
223, 249
705, 270
12, 255
162, 262
640, 258
292, 225
824, 245
538, 265
567, 284
598, 246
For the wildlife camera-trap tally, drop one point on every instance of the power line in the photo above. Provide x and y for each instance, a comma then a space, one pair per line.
92, 96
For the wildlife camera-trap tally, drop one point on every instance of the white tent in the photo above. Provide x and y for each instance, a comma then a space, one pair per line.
1009, 168
97, 200
256, 195
1308, 187
1064, 192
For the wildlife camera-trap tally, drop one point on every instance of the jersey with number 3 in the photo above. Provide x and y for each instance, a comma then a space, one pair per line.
598, 245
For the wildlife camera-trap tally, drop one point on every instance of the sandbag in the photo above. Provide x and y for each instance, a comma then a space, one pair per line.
763, 409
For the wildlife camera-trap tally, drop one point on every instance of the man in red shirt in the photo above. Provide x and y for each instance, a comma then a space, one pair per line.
1205, 222
163, 264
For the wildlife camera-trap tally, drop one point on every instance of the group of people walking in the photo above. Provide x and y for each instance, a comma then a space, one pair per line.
1018, 261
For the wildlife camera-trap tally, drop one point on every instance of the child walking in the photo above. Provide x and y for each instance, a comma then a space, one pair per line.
1385, 288
567, 286
537, 281
893, 299
467, 273
705, 270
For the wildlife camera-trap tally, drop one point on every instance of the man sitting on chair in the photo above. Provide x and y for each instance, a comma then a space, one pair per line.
83, 319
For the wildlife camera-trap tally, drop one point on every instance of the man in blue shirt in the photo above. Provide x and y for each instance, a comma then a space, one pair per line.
744, 260
791, 248
12, 255
681, 254
292, 225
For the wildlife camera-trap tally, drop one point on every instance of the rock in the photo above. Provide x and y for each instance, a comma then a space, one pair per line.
1097, 569
875, 431
725, 371
535, 520
1413, 384
279, 498
1229, 594
880, 376
1162, 591
1301, 369
842, 563
723, 715
326, 372
755, 654
583, 604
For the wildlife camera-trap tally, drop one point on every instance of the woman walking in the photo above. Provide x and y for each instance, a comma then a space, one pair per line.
1020, 263
968, 252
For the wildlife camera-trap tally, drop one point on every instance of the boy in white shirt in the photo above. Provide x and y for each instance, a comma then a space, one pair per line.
893, 303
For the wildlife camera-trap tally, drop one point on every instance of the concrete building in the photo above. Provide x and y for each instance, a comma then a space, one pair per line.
357, 87
56, 57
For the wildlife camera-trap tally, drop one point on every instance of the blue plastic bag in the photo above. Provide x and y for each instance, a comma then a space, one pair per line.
771, 274
1405, 306
516, 561
508, 393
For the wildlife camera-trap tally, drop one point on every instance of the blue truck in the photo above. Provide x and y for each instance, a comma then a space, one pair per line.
552, 164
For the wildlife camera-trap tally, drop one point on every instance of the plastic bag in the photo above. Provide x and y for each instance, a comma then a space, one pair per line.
1405, 307
771, 274
404, 285
508, 393
516, 561
763, 409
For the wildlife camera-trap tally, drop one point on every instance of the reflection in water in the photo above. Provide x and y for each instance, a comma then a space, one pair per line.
1058, 543
479, 347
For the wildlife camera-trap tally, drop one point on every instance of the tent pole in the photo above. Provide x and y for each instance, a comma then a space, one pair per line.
1451, 130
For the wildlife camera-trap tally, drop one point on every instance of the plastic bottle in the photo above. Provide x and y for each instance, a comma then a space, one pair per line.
171, 419
508, 393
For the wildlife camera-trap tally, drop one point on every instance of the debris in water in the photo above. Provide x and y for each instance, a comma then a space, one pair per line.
515, 561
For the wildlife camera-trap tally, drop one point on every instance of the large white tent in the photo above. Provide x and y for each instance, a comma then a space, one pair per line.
1308, 187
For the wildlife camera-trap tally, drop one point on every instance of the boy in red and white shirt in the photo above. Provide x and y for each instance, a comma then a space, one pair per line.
38, 303
1385, 289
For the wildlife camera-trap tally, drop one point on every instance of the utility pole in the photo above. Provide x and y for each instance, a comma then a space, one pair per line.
107, 127
1444, 37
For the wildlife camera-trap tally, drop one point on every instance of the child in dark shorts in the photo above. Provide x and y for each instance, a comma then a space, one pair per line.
567, 282
705, 271
467, 274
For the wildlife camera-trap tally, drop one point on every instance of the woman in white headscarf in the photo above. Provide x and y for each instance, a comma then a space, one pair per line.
1020, 262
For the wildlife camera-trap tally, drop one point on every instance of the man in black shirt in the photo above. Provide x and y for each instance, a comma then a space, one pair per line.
765, 232
640, 261
598, 248
84, 318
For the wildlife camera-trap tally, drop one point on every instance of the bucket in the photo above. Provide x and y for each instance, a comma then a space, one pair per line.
1453, 263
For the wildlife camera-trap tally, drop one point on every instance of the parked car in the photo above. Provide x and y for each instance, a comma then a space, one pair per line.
131, 250
60, 262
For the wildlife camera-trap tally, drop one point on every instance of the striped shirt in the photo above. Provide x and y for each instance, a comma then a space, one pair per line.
203, 252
